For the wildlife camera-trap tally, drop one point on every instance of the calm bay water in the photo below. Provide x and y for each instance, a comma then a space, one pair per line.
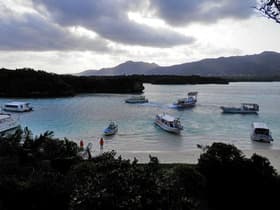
85, 117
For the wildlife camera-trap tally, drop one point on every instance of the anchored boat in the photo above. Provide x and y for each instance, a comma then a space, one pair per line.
168, 123
260, 132
137, 99
188, 102
245, 108
17, 106
111, 129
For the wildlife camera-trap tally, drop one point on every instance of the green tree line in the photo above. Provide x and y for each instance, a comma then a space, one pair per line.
30, 83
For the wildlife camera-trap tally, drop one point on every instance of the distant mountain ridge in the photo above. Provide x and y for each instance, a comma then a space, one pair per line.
127, 68
261, 65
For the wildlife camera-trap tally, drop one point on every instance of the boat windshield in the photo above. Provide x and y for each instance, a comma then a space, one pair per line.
191, 98
250, 107
262, 131
11, 106
112, 125
177, 123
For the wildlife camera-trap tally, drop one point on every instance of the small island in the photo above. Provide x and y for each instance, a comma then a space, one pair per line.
30, 83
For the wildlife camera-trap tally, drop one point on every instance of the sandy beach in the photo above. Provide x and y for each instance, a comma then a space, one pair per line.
192, 156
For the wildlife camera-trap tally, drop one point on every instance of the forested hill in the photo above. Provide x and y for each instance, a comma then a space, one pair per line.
266, 64
127, 68
30, 83
258, 66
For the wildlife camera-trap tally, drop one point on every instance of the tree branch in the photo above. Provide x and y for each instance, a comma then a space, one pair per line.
270, 8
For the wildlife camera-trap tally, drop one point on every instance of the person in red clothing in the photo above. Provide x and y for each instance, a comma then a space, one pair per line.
101, 142
82, 144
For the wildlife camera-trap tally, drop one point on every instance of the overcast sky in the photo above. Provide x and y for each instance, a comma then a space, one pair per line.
68, 36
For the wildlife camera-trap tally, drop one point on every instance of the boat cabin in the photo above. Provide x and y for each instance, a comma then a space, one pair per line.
193, 94
112, 125
250, 107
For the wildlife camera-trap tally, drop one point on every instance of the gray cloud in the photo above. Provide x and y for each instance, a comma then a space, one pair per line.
183, 12
109, 19
34, 33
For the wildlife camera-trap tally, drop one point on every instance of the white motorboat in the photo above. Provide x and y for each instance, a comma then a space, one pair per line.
7, 122
245, 108
260, 132
111, 129
137, 99
17, 106
188, 102
168, 123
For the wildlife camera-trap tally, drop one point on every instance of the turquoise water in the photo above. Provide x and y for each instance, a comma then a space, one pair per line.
85, 117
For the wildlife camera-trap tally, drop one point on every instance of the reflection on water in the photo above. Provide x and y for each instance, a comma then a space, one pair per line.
85, 117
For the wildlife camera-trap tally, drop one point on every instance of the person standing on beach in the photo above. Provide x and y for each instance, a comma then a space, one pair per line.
101, 142
82, 144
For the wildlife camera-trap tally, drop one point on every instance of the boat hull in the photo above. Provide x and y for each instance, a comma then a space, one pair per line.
17, 110
261, 138
110, 132
184, 106
136, 102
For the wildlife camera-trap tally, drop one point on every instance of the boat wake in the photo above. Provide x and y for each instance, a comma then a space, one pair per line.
135, 134
153, 104
172, 106
150, 104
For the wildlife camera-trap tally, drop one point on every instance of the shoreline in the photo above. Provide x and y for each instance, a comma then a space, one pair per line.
192, 156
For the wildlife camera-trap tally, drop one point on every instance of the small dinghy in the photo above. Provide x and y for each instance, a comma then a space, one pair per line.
137, 100
111, 129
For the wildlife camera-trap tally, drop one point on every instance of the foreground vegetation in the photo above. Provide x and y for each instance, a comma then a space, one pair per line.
43, 172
